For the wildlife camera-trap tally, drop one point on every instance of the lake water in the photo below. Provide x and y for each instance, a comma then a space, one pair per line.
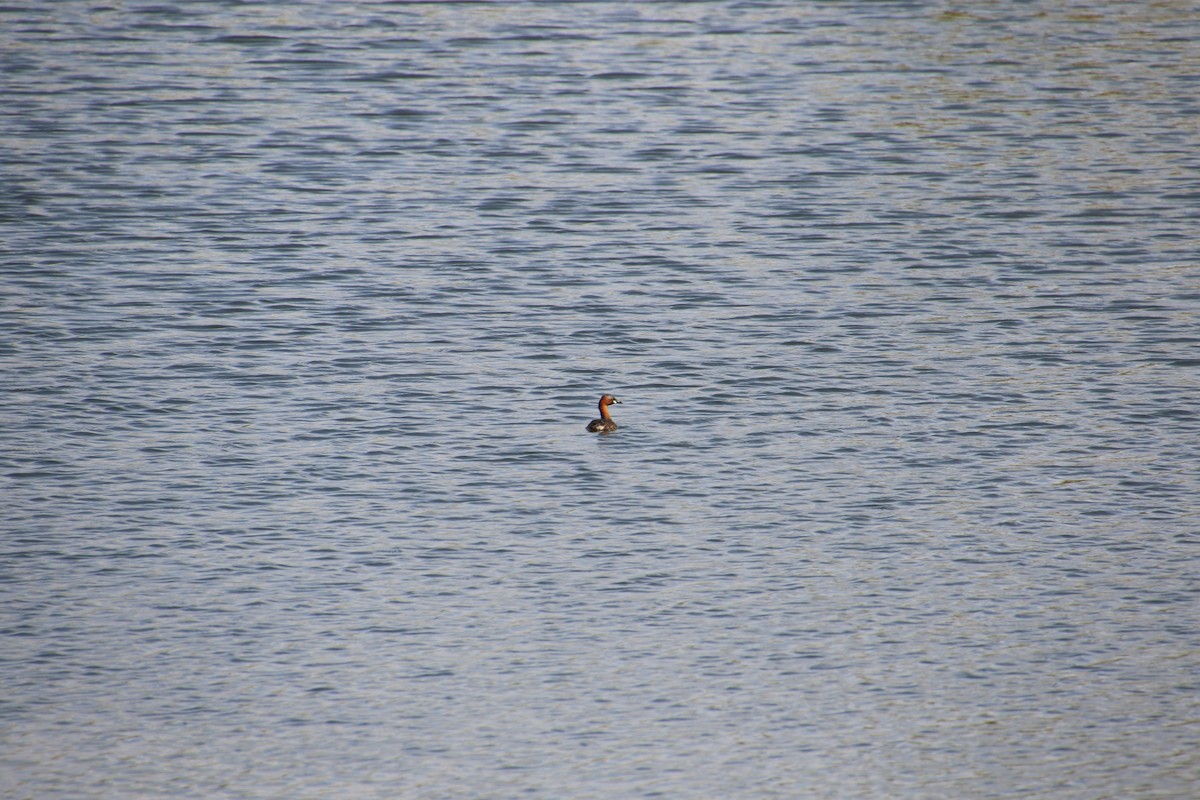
305, 306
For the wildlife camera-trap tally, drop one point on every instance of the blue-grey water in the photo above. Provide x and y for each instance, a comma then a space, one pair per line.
304, 307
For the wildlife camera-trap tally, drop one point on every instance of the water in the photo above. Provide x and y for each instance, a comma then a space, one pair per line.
305, 307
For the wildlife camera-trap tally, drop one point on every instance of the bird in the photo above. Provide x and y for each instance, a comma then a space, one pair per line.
605, 424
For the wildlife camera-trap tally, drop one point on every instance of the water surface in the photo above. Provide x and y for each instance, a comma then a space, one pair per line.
304, 308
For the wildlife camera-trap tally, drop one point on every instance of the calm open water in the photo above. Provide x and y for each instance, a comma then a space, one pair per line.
305, 306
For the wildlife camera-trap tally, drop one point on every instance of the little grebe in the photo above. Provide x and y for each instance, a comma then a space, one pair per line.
605, 424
